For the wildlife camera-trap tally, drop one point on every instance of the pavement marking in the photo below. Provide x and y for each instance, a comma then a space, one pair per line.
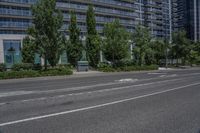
168, 76
14, 93
96, 106
126, 80
90, 92
156, 73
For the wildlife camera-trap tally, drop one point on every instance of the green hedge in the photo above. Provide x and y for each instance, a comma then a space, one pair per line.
127, 68
2, 67
22, 66
33, 73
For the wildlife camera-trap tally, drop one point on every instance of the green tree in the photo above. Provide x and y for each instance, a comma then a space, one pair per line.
75, 47
181, 45
160, 47
193, 56
116, 42
142, 48
28, 50
93, 40
47, 22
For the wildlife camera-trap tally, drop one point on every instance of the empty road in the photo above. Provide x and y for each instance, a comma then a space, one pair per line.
142, 102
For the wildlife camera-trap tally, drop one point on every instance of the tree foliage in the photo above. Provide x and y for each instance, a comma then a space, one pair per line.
28, 50
181, 45
160, 49
142, 49
75, 47
193, 57
116, 42
47, 22
93, 40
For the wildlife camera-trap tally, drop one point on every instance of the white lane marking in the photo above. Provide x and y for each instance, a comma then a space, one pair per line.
93, 107
17, 93
14, 93
156, 73
126, 80
90, 92
162, 76
168, 76
85, 87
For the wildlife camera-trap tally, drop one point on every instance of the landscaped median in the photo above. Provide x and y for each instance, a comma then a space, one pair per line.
27, 71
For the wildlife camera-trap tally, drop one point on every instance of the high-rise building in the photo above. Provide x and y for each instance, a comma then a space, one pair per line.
15, 18
186, 15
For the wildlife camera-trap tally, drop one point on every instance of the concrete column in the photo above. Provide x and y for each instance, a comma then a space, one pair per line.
101, 56
195, 20
170, 22
1, 51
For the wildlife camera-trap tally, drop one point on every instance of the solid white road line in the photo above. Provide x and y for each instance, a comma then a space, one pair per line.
93, 107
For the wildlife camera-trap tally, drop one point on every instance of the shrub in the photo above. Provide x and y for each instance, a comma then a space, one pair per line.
22, 66
128, 68
105, 67
56, 72
2, 67
37, 66
65, 66
33, 73
18, 74
124, 63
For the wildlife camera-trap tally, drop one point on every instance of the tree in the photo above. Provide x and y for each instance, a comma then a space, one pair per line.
159, 47
142, 40
91, 21
75, 47
180, 46
93, 39
116, 42
28, 50
47, 22
193, 56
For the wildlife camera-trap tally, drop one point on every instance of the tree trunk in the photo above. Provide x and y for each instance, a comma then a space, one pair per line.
45, 62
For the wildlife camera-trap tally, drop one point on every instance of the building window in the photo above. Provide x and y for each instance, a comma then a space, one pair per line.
12, 52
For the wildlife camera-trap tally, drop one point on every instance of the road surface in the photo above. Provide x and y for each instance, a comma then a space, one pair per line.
145, 102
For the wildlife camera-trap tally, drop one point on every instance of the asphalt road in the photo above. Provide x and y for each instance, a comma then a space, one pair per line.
145, 102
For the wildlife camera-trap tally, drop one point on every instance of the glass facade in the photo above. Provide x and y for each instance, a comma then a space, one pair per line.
12, 52
186, 15
15, 15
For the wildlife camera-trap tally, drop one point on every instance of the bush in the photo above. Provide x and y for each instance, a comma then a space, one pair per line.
22, 66
56, 72
128, 68
139, 68
124, 63
105, 67
37, 66
2, 67
18, 74
65, 66
33, 73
